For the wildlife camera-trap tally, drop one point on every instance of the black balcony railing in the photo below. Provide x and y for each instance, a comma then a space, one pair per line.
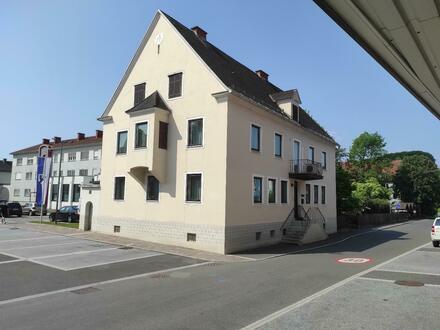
305, 169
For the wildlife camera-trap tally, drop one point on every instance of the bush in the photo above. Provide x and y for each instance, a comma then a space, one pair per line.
377, 205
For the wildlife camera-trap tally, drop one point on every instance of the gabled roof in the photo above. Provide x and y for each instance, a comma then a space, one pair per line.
88, 140
154, 100
240, 78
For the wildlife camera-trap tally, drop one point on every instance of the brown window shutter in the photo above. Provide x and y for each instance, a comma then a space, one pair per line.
163, 135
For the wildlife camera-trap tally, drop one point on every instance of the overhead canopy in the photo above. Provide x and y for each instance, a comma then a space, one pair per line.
402, 35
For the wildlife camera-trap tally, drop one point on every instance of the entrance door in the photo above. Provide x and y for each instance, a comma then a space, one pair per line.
295, 199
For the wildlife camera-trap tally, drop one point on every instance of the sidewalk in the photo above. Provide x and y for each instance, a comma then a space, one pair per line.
110, 239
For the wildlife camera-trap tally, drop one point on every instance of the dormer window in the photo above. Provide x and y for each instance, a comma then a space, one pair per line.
139, 93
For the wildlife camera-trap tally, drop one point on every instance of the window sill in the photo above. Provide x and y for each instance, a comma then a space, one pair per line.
256, 151
193, 202
174, 98
152, 201
201, 146
118, 200
139, 149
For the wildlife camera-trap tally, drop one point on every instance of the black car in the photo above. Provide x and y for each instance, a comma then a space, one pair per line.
66, 213
12, 208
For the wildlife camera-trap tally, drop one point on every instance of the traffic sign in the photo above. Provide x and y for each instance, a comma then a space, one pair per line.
354, 260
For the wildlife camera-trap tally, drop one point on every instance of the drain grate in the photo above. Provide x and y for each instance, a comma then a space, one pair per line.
87, 290
125, 248
160, 275
409, 283
213, 264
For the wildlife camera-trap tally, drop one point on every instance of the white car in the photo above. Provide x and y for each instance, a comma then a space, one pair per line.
435, 232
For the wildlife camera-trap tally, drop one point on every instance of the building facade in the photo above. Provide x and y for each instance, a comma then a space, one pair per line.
200, 151
5, 179
80, 162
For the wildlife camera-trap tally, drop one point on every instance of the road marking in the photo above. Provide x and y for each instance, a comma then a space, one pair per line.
407, 272
94, 265
26, 239
116, 280
354, 260
72, 253
9, 261
391, 281
292, 307
37, 246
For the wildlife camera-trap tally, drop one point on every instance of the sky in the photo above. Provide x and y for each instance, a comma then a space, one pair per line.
61, 61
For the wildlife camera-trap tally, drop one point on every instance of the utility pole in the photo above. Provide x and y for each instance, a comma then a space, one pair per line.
59, 174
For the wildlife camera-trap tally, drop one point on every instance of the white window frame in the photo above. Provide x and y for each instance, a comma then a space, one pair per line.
116, 142
261, 138
274, 145
203, 132
27, 190
134, 135
16, 192
201, 188
300, 149
26, 176
168, 85
114, 186
267, 190
322, 158
314, 153
68, 156
262, 189
96, 154
83, 169
21, 161
31, 161
18, 176
81, 153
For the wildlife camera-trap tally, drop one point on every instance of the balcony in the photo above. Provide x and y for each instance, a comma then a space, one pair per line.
304, 169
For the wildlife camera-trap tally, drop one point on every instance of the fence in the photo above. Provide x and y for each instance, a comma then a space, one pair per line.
365, 220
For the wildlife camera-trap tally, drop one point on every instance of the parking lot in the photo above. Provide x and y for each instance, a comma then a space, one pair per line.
32, 262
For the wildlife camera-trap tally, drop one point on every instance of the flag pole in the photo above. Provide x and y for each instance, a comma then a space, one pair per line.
42, 195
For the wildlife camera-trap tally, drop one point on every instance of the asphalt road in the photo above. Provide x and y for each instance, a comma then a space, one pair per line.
207, 296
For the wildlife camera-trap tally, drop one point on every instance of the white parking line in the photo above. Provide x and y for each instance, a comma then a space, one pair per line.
27, 239
116, 280
292, 307
9, 261
37, 246
406, 272
391, 281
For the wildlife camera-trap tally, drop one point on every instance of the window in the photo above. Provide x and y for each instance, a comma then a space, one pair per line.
96, 154
18, 176
193, 187
30, 161
307, 194
19, 161
139, 93
191, 237
76, 192
84, 155
278, 145
324, 159
311, 154
16, 192
163, 135
61, 173
152, 188
195, 132
70, 172
272, 233
71, 156
141, 130
258, 235
255, 138
283, 192
258, 190
65, 193
122, 143
315, 194
54, 173
322, 195
28, 175
27, 193
83, 172
54, 196
119, 188
271, 191
296, 152
175, 85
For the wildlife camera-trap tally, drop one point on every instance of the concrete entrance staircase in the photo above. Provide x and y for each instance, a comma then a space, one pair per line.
308, 227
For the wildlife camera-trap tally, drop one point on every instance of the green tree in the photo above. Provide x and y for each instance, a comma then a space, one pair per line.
370, 193
344, 200
418, 181
366, 157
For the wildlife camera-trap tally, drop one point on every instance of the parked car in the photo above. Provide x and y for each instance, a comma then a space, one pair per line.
435, 233
12, 208
66, 213
33, 209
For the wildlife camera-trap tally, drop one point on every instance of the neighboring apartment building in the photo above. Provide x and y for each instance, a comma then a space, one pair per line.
5, 179
80, 162
200, 151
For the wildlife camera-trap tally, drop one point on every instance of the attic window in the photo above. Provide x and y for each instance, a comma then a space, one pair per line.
295, 112
175, 85
139, 93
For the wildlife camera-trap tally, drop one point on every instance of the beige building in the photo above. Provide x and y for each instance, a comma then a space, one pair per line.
202, 152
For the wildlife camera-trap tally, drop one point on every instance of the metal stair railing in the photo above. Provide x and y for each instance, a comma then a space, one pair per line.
304, 223
315, 215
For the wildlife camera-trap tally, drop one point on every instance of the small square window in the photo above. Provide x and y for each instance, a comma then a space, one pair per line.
191, 237
71, 157
258, 235
84, 155
116, 229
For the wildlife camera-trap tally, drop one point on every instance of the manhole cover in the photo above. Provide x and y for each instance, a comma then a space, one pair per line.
87, 290
125, 248
409, 283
